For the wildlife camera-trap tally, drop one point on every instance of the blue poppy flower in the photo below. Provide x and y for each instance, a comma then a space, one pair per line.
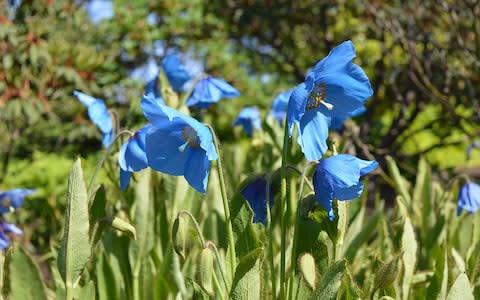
176, 73
468, 198
334, 88
249, 118
178, 144
210, 90
98, 113
256, 195
99, 10
338, 177
146, 72
6, 228
338, 120
151, 90
13, 199
279, 106
132, 156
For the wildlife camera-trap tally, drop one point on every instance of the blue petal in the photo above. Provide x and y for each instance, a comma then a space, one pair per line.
107, 138
84, 98
296, 106
159, 115
13, 198
469, 198
313, 135
124, 179
338, 59
197, 168
152, 91
249, 118
132, 155
12, 229
280, 105
176, 73
4, 241
339, 177
256, 195
100, 116
227, 90
162, 148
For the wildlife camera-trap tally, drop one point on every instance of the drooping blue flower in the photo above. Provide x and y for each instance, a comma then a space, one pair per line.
338, 120
280, 105
335, 87
100, 10
256, 195
176, 74
13, 199
132, 156
178, 144
338, 177
249, 118
98, 113
146, 72
468, 198
210, 90
151, 90
6, 228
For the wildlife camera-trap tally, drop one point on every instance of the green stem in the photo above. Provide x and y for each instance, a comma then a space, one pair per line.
104, 157
217, 285
283, 211
136, 286
226, 207
195, 223
218, 259
270, 241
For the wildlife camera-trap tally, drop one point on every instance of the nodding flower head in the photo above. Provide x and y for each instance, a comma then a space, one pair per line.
176, 74
13, 199
249, 118
178, 144
468, 198
210, 90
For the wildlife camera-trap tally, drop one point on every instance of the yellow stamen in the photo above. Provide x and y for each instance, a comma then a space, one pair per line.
317, 97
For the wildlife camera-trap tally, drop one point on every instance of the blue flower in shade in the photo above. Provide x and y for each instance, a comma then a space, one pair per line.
98, 113
178, 144
176, 73
6, 228
99, 10
13, 199
468, 198
151, 90
279, 106
132, 156
210, 90
335, 87
256, 195
337, 121
249, 118
338, 177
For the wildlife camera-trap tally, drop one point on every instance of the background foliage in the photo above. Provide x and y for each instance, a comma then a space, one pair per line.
423, 61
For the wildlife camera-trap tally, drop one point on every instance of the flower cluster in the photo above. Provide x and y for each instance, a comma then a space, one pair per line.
9, 201
333, 91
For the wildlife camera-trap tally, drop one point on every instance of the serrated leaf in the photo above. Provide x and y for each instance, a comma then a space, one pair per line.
409, 246
330, 282
461, 289
246, 282
75, 250
24, 276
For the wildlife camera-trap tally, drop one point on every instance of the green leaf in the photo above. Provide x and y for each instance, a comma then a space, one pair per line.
306, 265
363, 236
399, 180
246, 282
387, 274
246, 239
87, 292
409, 246
143, 213
330, 282
75, 250
461, 289
25, 278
